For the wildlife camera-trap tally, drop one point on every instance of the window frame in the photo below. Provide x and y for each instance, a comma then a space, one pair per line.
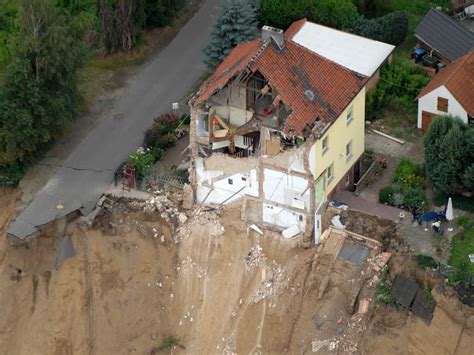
349, 116
330, 168
441, 102
325, 148
349, 156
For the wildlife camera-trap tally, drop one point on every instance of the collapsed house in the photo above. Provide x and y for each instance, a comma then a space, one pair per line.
281, 127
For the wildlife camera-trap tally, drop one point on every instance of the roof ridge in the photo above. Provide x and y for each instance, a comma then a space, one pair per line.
327, 59
458, 64
449, 18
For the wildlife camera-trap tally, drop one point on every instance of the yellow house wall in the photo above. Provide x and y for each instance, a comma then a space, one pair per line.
341, 133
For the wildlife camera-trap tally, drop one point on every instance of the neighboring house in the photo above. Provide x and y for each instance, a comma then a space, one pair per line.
444, 36
450, 92
280, 125
360, 54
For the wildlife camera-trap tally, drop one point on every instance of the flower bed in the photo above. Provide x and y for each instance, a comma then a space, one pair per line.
407, 189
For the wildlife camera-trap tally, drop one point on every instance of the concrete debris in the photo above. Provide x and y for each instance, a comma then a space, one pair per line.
363, 306
379, 261
188, 197
317, 345
182, 218
274, 282
209, 219
336, 222
254, 257
291, 232
256, 229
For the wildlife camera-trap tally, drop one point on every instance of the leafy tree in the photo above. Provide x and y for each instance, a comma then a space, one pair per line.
160, 12
391, 28
236, 23
445, 153
341, 14
281, 13
122, 23
39, 94
400, 83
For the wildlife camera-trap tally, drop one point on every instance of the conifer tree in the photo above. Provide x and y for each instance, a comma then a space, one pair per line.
236, 23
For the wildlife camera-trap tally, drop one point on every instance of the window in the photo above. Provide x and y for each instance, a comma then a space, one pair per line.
349, 116
230, 181
348, 151
442, 104
330, 173
325, 144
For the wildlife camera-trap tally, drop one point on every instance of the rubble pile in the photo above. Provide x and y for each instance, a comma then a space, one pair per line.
254, 257
273, 283
210, 219
188, 266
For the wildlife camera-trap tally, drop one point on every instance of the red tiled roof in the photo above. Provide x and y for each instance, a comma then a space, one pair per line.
294, 28
237, 60
458, 77
292, 71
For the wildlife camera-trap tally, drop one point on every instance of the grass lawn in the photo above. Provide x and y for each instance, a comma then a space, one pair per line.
460, 249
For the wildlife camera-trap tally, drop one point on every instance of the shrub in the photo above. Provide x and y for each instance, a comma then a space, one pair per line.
391, 28
414, 197
426, 261
386, 195
142, 161
11, 174
281, 13
384, 295
159, 13
168, 344
406, 171
400, 82
341, 14
162, 133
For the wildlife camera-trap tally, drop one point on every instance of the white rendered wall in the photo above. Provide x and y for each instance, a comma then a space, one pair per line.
284, 189
429, 103
228, 186
282, 218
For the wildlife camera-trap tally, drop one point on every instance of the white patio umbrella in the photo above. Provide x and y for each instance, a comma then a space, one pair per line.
449, 210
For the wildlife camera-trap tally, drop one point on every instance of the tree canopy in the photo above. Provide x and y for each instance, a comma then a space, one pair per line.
39, 94
448, 157
340, 14
236, 23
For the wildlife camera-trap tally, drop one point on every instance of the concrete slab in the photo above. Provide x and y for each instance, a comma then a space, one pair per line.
90, 168
353, 253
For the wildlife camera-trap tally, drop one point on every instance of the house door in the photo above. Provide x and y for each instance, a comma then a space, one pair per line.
320, 191
426, 118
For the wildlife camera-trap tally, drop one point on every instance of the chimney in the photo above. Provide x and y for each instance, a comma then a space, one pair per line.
275, 33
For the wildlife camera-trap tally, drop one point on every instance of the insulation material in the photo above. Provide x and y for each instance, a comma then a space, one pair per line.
283, 218
272, 146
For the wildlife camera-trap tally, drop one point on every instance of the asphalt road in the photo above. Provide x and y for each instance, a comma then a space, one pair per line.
89, 169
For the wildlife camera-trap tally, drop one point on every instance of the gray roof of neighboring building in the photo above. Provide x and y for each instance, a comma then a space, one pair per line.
444, 35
